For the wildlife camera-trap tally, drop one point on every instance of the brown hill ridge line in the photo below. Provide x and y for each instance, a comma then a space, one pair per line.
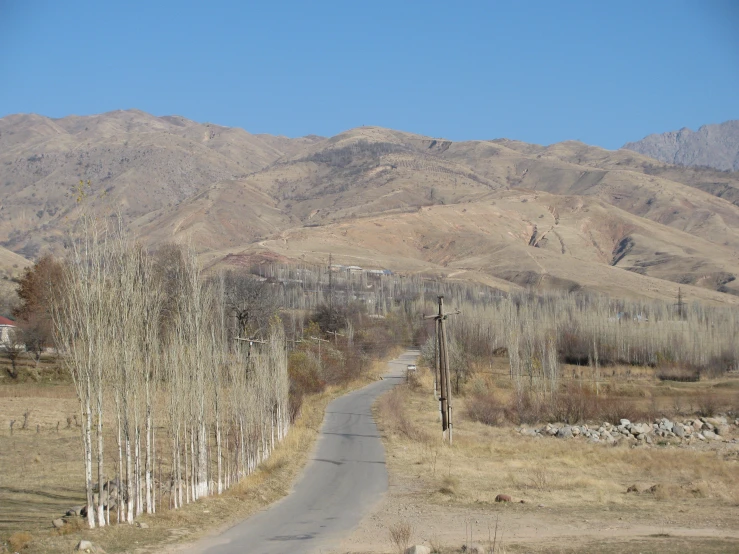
504, 212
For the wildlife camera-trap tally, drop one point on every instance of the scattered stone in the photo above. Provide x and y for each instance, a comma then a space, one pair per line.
643, 428
142, 525
640, 434
632, 488
503, 498
76, 511
418, 549
541, 506
84, 546
565, 432
473, 549
59, 523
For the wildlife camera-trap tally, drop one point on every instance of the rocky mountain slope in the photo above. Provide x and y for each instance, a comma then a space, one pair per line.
715, 146
503, 212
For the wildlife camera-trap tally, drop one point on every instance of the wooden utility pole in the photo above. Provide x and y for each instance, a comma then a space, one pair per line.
320, 340
330, 291
445, 398
336, 334
251, 342
436, 360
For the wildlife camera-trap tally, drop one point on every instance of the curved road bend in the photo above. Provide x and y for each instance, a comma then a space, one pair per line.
343, 479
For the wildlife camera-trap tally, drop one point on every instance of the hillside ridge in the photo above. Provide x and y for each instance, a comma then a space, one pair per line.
508, 213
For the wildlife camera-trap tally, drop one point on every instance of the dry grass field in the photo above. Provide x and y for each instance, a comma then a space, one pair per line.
42, 476
574, 492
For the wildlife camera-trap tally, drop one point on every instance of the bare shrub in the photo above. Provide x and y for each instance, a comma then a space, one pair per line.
708, 404
485, 408
19, 541
668, 491
524, 407
681, 375
574, 404
538, 478
400, 535
435, 545
614, 409
71, 527
449, 485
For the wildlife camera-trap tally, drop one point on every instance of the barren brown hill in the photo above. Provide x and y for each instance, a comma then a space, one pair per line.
11, 268
502, 212
137, 164
522, 239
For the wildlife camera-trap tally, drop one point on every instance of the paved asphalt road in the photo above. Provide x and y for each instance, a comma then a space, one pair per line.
344, 478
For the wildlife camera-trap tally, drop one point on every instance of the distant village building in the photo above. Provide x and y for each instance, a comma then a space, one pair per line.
7, 330
335, 268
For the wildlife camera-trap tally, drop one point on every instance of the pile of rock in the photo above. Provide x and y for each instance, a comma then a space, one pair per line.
109, 497
662, 430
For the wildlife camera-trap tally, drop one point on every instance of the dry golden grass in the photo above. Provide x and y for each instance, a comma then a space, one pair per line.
19, 541
572, 478
43, 477
47, 372
638, 387
400, 535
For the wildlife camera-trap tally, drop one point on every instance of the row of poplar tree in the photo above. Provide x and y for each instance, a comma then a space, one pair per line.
149, 344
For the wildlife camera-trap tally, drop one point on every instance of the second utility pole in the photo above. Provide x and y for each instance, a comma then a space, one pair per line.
445, 398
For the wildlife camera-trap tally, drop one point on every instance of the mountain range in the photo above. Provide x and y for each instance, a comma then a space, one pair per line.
715, 146
502, 212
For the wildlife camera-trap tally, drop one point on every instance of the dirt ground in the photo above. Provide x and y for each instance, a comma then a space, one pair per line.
574, 492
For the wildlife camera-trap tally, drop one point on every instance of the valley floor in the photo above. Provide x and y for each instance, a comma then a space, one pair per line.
575, 492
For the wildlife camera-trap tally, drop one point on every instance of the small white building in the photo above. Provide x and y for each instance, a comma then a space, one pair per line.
7, 330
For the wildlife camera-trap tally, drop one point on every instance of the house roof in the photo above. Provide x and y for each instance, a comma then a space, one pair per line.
6, 321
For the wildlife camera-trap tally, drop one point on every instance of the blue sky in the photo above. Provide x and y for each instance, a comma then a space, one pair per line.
598, 71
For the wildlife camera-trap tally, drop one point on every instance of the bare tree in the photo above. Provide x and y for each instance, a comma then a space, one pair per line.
251, 302
13, 348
